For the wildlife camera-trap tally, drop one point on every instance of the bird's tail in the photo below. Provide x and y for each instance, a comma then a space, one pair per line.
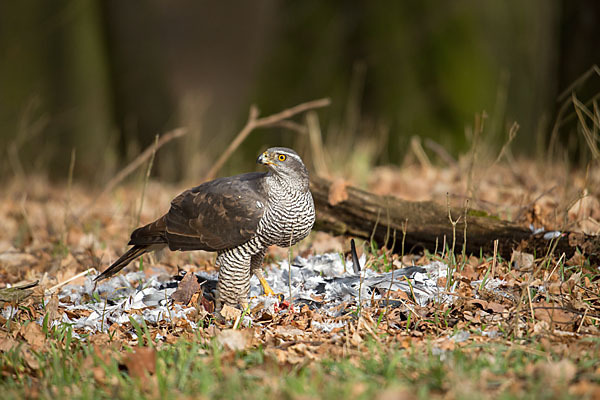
123, 261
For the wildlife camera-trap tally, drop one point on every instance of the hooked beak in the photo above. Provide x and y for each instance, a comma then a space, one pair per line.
264, 159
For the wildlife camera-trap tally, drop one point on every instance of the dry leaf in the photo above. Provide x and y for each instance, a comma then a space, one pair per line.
337, 192
32, 361
52, 308
289, 332
230, 313
209, 306
556, 371
141, 363
585, 389
488, 305
7, 344
553, 313
356, 339
469, 272
522, 261
235, 339
584, 207
186, 289
32, 333
15, 259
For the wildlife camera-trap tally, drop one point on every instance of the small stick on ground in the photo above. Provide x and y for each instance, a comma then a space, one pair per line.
387, 299
79, 275
530, 303
494, 259
255, 122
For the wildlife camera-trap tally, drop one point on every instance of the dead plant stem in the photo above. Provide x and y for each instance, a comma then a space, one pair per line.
255, 122
132, 166
146, 178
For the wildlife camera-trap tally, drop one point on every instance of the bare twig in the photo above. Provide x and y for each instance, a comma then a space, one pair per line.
528, 288
255, 122
291, 125
79, 275
441, 152
417, 148
68, 211
582, 320
125, 172
589, 134
495, 259
561, 118
148, 170
387, 299
578, 82
512, 133
477, 133
316, 143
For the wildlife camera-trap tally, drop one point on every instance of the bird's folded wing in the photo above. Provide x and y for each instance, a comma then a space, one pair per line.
216, 215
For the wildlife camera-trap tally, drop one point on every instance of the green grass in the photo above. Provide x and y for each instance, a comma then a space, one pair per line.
189, 368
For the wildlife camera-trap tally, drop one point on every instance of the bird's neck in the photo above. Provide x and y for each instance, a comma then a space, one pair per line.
279, 185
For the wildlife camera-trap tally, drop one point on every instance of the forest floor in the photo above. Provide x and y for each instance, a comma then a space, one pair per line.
537, 337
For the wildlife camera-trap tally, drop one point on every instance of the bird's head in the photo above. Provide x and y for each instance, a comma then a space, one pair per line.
286, 164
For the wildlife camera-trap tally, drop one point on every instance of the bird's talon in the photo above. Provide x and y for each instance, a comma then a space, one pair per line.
266, 288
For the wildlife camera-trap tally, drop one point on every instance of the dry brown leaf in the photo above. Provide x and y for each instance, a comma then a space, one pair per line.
141, 363
103, 340
556, 371
356, 339
488, 305
235, 339
32, 361
337, 192
186, 289
522, 261
289, 331
15, 259
587, 206
32, 333
208, 306
469, 272
230, 313
553, 313
52, 308
7, 343
585, 389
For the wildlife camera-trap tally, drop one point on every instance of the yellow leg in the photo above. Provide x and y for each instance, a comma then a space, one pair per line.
267, 289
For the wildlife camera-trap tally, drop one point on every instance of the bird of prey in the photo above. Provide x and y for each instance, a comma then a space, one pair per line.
238, 217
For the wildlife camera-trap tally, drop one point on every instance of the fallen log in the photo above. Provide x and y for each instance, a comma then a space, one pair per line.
365, 215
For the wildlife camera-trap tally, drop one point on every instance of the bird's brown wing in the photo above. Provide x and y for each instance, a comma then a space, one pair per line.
151, 234
217, 215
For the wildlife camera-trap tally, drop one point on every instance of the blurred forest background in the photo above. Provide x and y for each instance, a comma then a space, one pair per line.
104, 77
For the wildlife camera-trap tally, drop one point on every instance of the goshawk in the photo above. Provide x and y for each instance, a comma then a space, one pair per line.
238, 217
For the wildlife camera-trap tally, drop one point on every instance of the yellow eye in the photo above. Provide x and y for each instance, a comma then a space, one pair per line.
282, 157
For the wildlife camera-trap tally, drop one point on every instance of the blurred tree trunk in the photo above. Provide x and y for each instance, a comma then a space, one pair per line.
579, 39
579, 51
55, 95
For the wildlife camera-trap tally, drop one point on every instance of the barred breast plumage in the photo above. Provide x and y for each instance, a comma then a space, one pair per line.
238, 217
